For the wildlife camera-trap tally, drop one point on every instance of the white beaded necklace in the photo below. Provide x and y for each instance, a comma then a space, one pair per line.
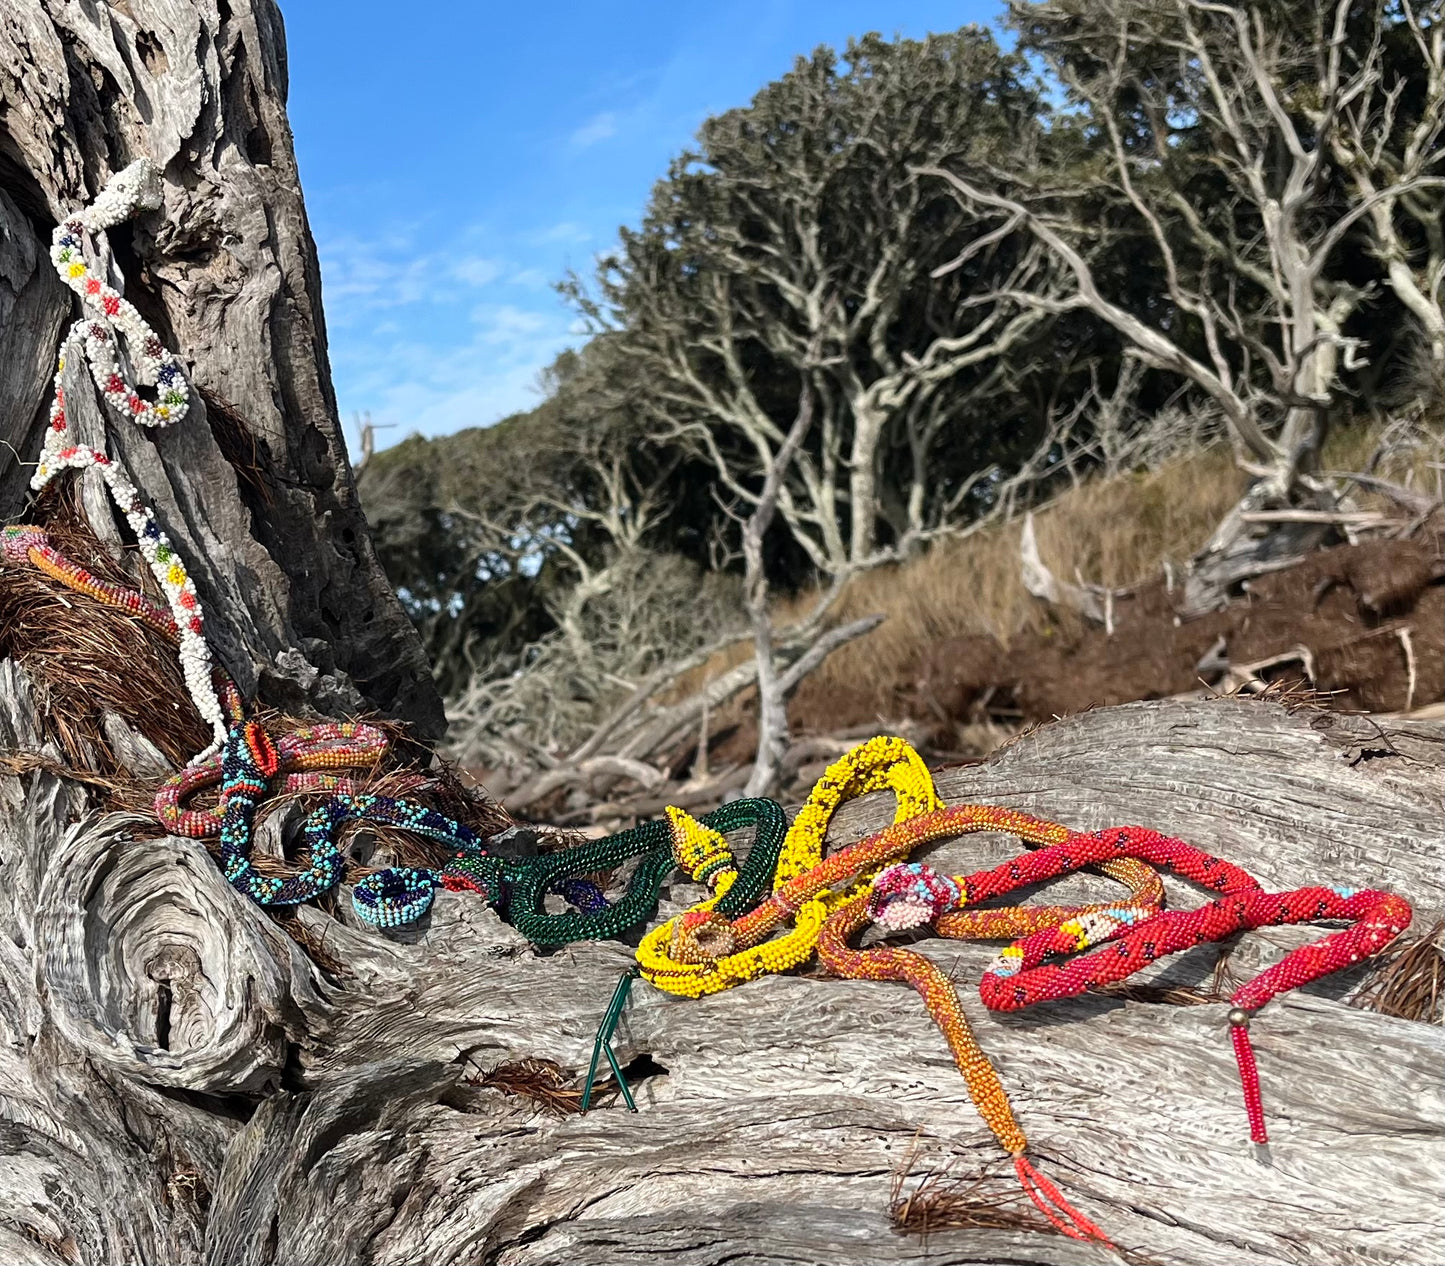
106, 318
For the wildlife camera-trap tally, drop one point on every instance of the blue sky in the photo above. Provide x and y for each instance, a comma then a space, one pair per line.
458, 161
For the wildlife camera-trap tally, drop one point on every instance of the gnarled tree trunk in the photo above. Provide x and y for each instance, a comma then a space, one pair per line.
180, 1083
253, 486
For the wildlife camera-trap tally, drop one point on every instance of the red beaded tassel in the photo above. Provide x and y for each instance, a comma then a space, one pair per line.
1051, 1203
1248, 1073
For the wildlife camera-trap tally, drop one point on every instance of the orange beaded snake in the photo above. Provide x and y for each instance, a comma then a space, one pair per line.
27, 543
1146, 895
703, 952
311, 757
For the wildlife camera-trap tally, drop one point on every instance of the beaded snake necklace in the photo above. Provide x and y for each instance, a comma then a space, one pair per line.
933, 985
1019, 977
108, 318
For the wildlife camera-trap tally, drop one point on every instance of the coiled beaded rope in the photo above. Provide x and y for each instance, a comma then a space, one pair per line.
108, 317
389, 897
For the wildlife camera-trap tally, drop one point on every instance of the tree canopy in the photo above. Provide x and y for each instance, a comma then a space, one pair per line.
983, 268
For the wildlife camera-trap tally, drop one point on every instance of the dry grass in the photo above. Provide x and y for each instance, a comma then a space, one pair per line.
545, 1082
1115, 532
1410, 981
944, 1201
72, 647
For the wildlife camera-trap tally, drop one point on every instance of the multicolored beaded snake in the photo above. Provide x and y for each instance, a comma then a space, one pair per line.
308, 756
108, 318
26, 543
907, 896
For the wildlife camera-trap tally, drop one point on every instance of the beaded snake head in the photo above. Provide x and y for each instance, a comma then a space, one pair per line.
18, 540
252, 750
909, 895
702, 935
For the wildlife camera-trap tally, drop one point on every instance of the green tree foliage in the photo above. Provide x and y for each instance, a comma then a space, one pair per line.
943, 338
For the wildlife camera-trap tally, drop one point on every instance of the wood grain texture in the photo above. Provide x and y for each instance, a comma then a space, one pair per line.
310, 1119
255, 490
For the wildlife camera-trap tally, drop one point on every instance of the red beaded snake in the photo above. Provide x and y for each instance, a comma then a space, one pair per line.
1020, 978
907, 895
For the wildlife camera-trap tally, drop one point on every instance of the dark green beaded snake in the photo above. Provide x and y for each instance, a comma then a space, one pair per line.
531, 881
516, 886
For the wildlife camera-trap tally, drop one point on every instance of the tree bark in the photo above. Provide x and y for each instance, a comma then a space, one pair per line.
253, 486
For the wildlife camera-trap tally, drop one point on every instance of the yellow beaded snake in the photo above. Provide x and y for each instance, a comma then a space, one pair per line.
700, 952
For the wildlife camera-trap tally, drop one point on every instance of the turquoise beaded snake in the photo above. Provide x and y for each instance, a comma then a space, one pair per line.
518, 887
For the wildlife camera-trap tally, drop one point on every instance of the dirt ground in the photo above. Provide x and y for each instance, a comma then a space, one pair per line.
1356, 621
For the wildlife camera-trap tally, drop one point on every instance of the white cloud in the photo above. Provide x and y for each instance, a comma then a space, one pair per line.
565, 231
598, 128
433, 340
360, 275
504, 323
531, 278
409, 385
477, 270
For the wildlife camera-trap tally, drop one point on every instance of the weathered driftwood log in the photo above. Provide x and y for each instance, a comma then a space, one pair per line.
253, 486
178, 1082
